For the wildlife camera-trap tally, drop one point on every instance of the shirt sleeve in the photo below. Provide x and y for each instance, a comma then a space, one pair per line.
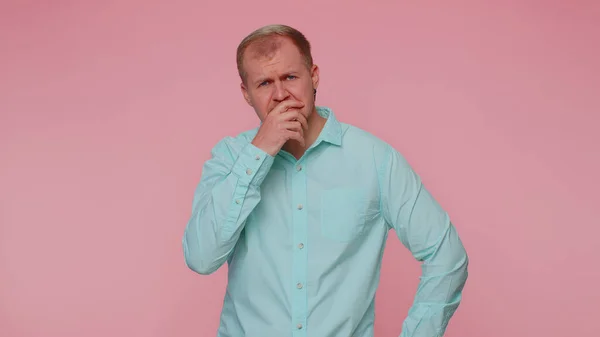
426, 230
228, 191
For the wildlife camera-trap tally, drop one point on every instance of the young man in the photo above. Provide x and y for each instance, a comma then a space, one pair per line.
301, 208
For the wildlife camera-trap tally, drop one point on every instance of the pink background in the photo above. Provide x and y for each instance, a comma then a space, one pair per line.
109, 108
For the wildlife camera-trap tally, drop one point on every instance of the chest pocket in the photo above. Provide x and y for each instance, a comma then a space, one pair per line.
344, 213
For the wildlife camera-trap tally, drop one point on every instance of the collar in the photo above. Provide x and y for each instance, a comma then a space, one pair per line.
332, 130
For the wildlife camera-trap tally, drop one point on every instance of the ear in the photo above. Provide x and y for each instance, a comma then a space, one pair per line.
245, 94
315, 75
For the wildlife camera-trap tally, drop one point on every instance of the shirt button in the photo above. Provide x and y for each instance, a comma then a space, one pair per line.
237, 201
299, 168
300, 245
299, 285
257, 157
248, 171
300, 206
299, 326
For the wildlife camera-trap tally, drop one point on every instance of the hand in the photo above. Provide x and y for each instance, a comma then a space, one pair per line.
281, 125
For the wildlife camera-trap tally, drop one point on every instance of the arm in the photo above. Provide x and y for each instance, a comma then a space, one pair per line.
228, 191
425, 229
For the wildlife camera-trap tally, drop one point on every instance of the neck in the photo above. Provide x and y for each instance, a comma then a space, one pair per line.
315, 125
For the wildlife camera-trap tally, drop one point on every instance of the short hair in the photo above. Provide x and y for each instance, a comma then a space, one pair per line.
264, 36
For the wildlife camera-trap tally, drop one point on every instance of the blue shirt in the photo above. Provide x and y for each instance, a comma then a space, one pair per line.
304, 238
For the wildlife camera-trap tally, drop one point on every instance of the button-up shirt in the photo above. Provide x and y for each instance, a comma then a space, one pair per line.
303, 239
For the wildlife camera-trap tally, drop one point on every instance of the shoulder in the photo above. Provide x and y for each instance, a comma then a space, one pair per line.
359, 140
367, 146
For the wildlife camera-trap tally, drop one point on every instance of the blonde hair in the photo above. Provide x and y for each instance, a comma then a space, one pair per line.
266, 42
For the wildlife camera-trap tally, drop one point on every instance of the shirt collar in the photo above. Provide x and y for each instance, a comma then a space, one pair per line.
332, 130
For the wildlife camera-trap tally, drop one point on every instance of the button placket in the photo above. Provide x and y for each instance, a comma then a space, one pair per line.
300, 256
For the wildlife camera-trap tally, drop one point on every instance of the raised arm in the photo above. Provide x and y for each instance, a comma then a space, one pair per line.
228, 191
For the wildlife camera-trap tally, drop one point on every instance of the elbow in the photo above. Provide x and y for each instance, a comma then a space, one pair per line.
463, 265
204, 252
196, 261
455, 262
197, 264
457, 256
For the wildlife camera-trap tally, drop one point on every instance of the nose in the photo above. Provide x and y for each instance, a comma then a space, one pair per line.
280, 94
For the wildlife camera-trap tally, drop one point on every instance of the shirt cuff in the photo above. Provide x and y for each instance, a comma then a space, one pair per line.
252, 165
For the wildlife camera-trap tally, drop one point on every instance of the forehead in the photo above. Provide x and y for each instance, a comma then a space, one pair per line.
274, 53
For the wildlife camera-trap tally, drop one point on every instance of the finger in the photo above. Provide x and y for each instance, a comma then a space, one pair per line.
298, 116
303, 121
294, 126
289, 104
295, 135
295, 115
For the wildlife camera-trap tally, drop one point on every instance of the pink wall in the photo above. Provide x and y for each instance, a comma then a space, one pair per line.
108, 110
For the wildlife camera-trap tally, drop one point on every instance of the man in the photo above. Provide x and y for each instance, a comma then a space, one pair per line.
301, 207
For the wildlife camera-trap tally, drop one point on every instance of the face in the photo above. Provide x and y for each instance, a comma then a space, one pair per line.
276, 72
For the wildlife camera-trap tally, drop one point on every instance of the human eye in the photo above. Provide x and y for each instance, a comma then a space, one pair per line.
291, 77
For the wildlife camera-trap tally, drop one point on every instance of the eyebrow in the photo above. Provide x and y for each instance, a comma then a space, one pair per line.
284, 75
